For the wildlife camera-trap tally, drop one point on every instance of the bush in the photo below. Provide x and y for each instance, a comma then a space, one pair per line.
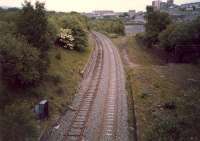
20, 63
65, 39
78, 32
17, 124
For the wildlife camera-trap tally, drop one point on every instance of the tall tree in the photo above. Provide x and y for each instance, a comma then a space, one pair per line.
33, 24
156, 22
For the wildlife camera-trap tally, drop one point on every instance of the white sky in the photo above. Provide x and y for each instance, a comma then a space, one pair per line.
90, 5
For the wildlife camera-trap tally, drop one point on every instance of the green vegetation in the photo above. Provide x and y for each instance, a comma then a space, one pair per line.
180, 33
165, 96
32, 68
20, 63
77, 23
108, 26
156, 22
32, 24
180, 40
16, 124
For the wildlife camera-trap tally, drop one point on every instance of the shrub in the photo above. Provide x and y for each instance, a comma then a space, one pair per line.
65, 39
78, 32
20, 63
17, 124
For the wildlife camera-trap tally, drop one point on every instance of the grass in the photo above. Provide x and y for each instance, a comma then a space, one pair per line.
59, 87
65, 76
166, 96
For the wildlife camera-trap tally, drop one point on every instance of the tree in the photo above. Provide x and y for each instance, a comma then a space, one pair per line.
164, 38
156, 22
33, 24
183, 39
20, 63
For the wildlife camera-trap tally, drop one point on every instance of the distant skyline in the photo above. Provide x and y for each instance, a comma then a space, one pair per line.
91, 5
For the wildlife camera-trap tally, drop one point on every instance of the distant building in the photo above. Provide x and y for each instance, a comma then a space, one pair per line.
104, 13
131, 13
156, 4
191, 6
89, 15
170, 2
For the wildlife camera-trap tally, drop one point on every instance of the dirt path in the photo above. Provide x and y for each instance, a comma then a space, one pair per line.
99, 110
127, 61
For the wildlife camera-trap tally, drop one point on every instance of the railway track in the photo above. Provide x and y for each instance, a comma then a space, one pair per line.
100, 107
112, 114
78, 124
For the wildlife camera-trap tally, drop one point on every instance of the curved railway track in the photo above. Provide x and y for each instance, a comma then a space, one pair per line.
101, 105
78, 124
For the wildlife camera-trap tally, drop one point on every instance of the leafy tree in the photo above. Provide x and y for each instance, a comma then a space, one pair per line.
156, 22
180, 33
20, 63
33, 24
165, 38
80, 37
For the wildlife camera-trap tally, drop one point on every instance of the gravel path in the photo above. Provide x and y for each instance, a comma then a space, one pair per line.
100, 107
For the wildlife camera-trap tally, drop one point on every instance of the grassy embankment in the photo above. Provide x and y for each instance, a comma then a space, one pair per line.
66, 67
59, 86
166, 96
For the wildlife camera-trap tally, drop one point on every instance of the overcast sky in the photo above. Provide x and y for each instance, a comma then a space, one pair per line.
90, 5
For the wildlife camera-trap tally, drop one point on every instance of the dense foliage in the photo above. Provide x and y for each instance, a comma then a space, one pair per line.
26, 36
115, 26
20, 63
181, 40
17, 124
186, 32
32, 23
78, 32
156, 22
65, 39
77, 23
